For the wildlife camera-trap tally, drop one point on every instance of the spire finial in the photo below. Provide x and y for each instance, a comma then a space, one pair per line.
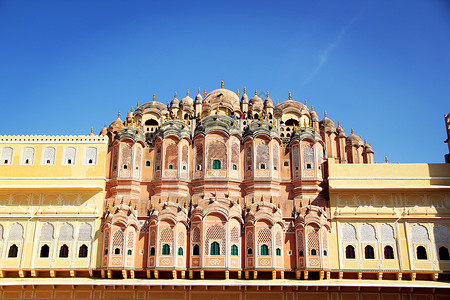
221, 85
204, 93
237, 93
339, 123
290, 96
154, 97
306, 102
267, 94
175, 94
312, 108
245, 90
352, 130
105, 124
199, 91
118, 115
92, 130
256, 92
132, 109
325, 114
187, 93
137, 104
385, 159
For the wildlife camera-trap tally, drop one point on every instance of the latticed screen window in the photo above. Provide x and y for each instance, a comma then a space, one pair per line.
83, 251
196, 250
349, 252
388, 252
64, 251
264, 250
368, 252
165, 249
216, 164
215, 248
234, 250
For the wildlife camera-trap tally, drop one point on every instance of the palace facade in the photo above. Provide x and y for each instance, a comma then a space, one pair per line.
246, 191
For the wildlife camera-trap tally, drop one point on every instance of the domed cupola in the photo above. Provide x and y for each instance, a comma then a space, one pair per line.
256, 103
198, 98
326, 124
354, 139
268, 103
222, 100
116, 125
175, 103
187, 102
340, 131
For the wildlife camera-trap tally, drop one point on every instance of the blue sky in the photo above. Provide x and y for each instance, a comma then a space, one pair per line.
380, 67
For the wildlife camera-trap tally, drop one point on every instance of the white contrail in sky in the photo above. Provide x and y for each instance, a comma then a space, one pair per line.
323, 55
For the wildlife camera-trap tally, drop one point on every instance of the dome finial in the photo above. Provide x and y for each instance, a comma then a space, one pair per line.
245, 90
221, 85
256, 92
237, 93
175, 95
365, 142
325, 114
267, 94
92, 130
339, 123
306, 102
312, 108
154, 97
137, 104
187, 93
278, 100
118, 115
386, 159
132, 109
199, 91
105, 124
290, 96
352, 130
204, 93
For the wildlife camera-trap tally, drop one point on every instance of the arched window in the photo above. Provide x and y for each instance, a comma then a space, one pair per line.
443, 253
234, 167
152, 251
215, 248
170, 167
325, 253
13, 250
388, 252
196, 250
300, 253
83, 252
45, 250
166, 249
234, 250
69, 156
147, 163
282, 135
368, 252
262, 167
250, 251
91, 156
7, 155
28, 156
313, 252
264, 249
180, 251
49, 156
278, 252
64, 251
117, 251
421, 252
349, 252
216, 164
